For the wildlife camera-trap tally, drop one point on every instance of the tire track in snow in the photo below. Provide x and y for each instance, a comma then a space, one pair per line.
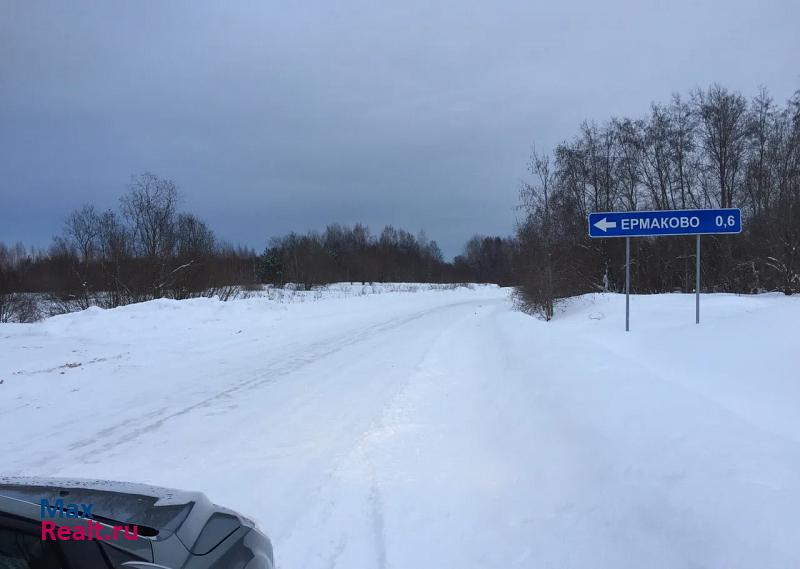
378, 522
369, 539
130, 429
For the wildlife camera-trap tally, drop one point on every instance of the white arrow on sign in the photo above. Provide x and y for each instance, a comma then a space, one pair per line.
604, 225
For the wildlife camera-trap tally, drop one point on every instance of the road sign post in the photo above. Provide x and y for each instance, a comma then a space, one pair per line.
627, 284
697, 222
697, 283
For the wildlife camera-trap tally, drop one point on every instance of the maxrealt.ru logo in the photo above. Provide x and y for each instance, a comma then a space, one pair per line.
91, 531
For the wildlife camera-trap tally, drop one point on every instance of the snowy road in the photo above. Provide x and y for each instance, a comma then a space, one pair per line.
436, 429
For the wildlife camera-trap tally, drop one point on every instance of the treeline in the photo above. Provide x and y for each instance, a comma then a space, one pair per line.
145, 250
148, 249
344, 253
713, 148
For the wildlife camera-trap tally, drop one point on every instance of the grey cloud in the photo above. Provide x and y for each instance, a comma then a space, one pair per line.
274, 116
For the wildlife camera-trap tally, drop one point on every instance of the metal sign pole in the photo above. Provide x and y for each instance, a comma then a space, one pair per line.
697, 284
627, 284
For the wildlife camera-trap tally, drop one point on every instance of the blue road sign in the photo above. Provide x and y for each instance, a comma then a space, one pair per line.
667, 222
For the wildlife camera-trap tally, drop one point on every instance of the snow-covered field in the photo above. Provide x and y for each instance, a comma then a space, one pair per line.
435, 429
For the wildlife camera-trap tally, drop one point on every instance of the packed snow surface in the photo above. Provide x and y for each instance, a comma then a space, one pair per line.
437, 428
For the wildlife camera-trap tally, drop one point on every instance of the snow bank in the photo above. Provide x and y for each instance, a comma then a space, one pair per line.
744, 355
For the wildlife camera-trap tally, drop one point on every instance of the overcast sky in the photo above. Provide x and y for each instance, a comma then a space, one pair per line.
273, 116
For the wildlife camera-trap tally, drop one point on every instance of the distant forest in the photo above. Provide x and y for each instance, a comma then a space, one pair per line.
712, 148
148, 249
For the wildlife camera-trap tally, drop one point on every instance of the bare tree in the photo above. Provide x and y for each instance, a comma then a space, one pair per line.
723, 118
116, 256
537, 291
81, 231
150, 210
